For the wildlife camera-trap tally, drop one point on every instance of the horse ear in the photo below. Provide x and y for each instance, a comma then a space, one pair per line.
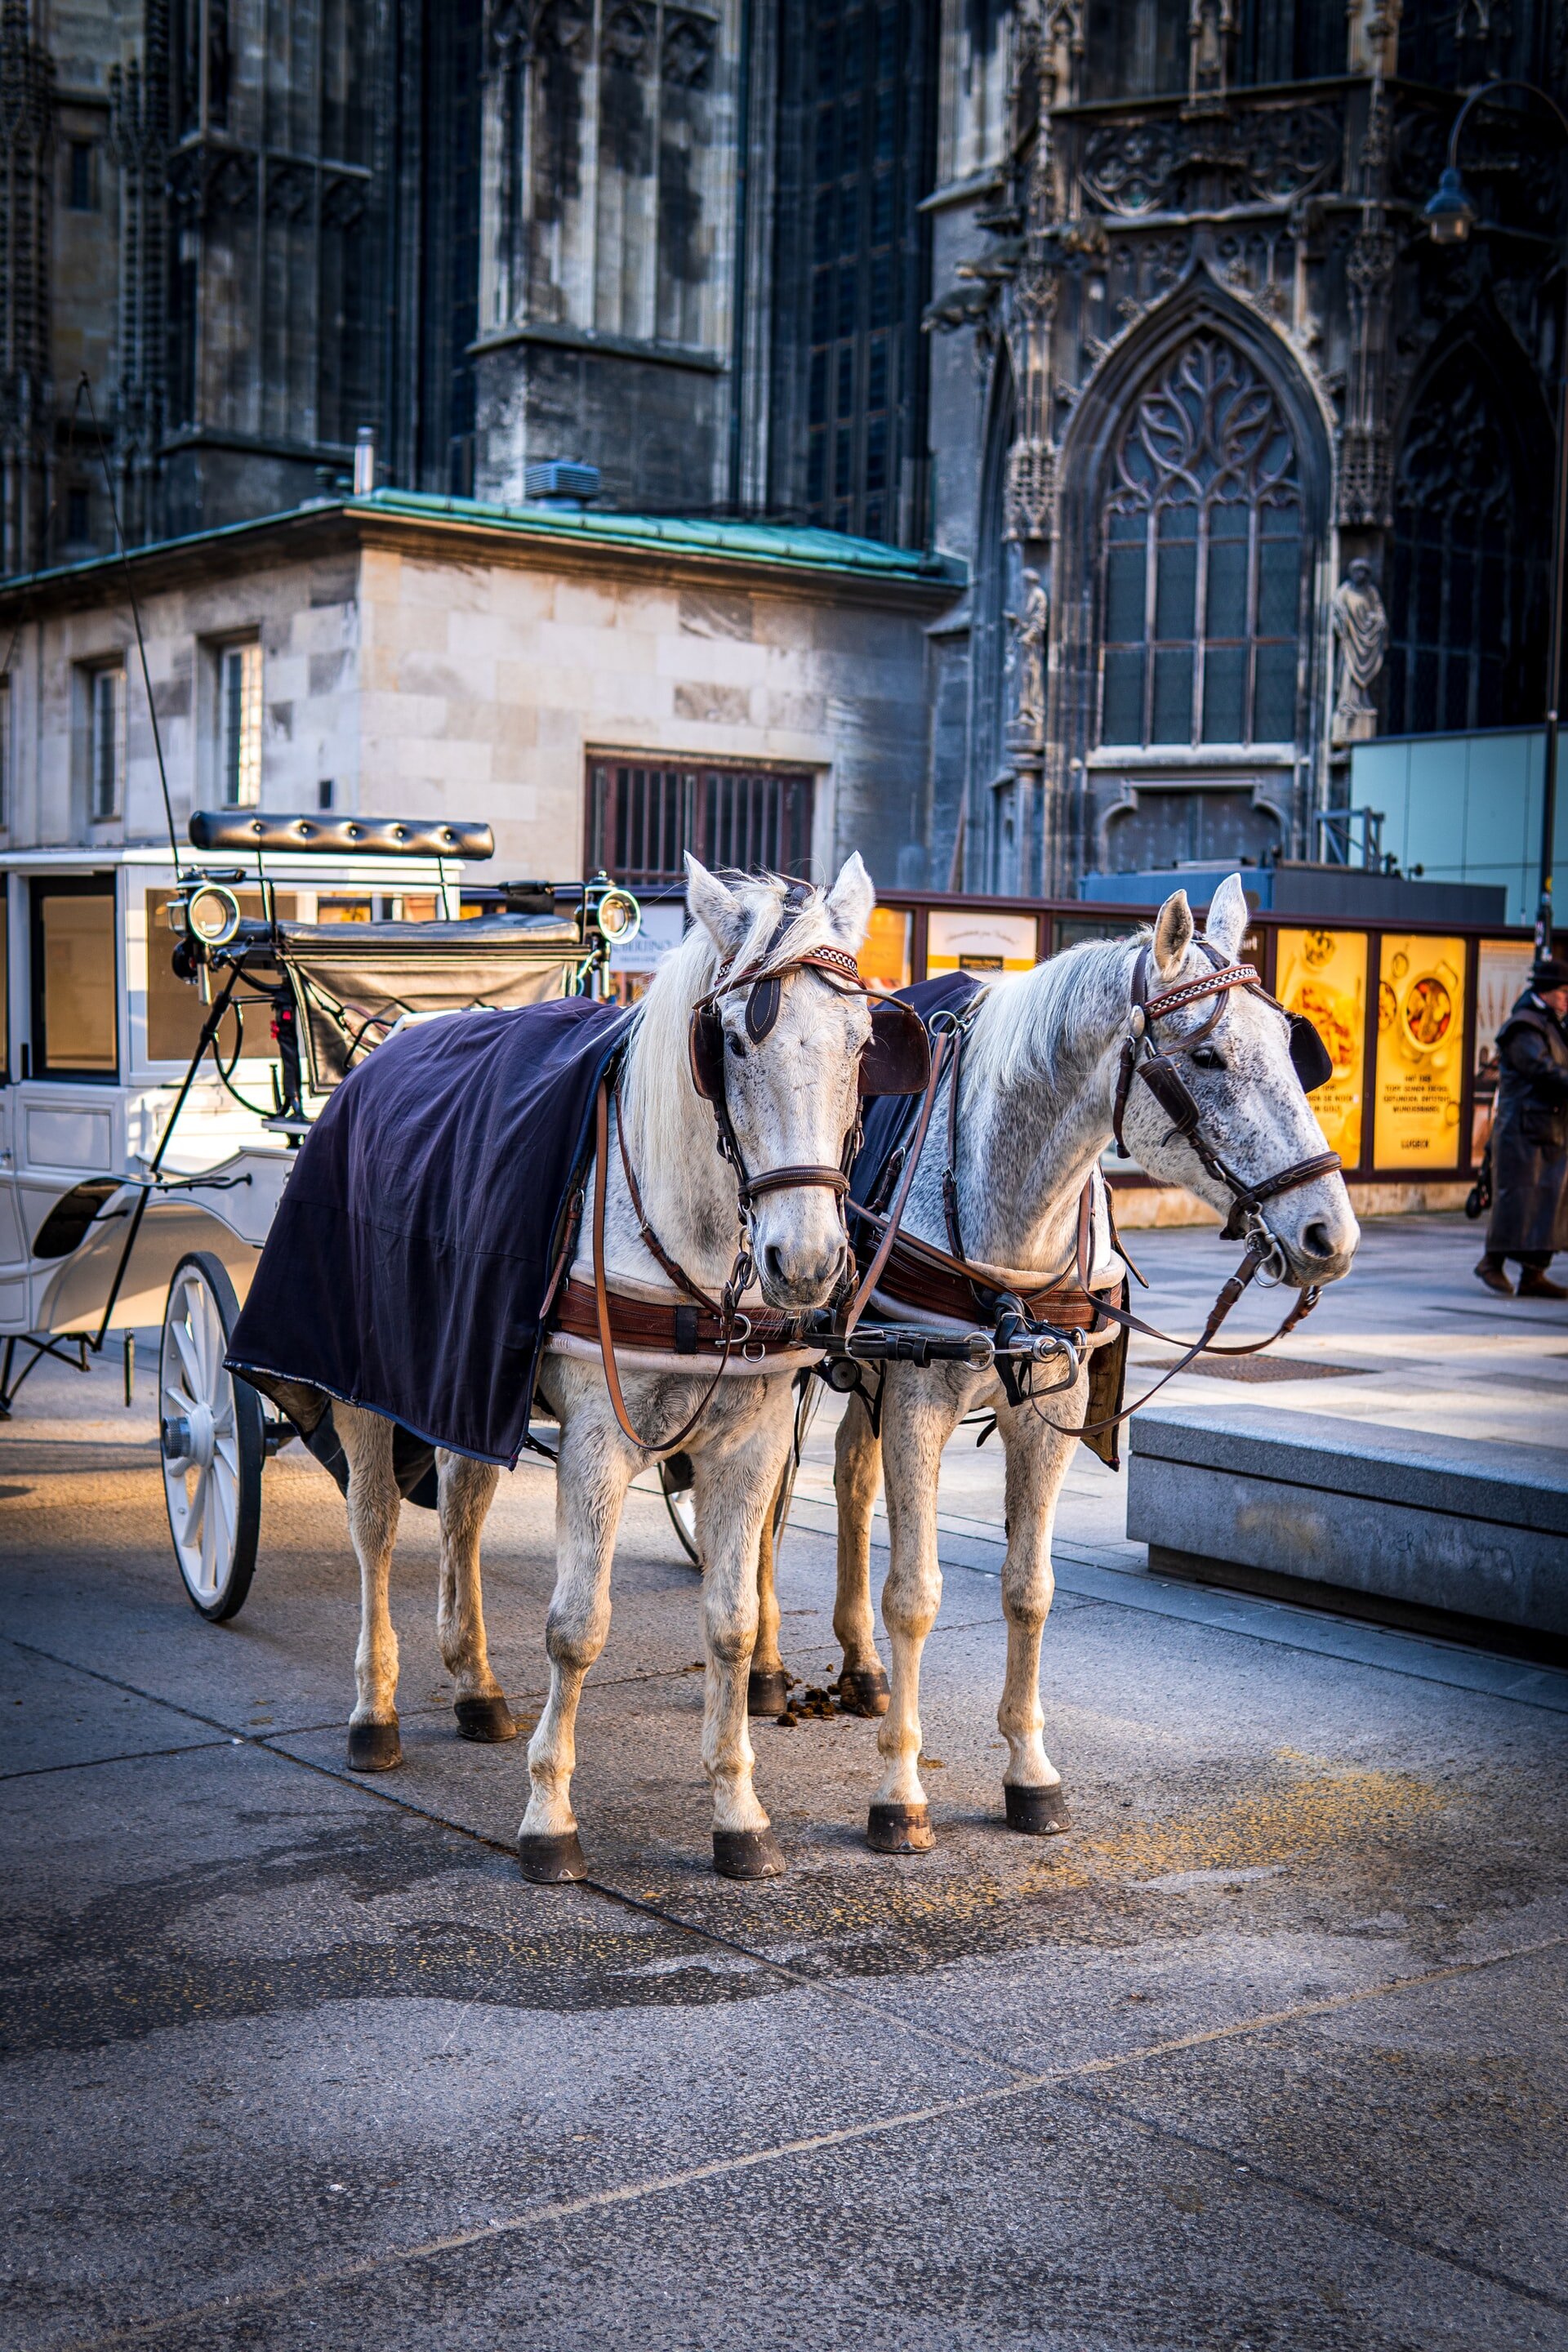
1173, 933
849, 903
1226, 925
715, 907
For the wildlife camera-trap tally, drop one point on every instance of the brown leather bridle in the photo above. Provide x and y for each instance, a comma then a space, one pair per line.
896, 1060
1156, 1065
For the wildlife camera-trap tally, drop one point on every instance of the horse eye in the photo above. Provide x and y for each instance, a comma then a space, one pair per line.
737, 1045
1206, 1057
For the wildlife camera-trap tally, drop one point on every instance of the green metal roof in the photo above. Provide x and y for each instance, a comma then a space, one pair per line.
782, 546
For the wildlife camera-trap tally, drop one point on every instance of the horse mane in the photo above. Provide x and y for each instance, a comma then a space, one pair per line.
663, 1110
1051, 1023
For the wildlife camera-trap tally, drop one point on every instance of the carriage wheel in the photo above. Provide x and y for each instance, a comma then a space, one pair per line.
213, 1440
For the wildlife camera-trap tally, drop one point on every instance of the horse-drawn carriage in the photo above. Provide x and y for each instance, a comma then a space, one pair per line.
180, 1026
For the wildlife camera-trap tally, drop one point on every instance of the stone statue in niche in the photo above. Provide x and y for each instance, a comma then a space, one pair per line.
1029, 632
1361, 632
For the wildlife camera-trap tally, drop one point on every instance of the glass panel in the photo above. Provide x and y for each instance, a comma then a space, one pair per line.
1176, 573
1172, 694
77, 935
1322, 975
1226, 613
1278, 585
1225, 694
1274, 704
1124, 592
5, 976
1123, 716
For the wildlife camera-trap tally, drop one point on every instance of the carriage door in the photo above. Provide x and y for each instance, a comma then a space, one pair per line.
65, 1099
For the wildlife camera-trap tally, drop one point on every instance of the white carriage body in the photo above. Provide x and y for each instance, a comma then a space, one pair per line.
60, 1129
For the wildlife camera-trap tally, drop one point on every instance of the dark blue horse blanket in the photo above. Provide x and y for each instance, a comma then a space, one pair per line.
408, 1264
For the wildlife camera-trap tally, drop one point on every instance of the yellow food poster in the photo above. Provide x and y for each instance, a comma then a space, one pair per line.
968, 940
885, 957
1323, 975
1420, 1053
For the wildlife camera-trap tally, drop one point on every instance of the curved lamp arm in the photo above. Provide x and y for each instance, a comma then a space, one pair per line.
1488, 90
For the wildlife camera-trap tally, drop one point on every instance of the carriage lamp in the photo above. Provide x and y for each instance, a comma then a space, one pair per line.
212, 914
1448, 212
618, 917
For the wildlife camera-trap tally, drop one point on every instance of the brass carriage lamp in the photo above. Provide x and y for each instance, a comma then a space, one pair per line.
1448, 213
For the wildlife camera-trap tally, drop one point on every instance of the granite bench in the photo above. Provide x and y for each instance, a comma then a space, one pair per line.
1388, 1522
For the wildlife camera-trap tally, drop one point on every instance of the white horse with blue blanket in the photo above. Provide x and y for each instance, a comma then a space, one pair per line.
786, 1026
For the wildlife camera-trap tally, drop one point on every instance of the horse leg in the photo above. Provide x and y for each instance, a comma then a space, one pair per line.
1036, 1464
373, 1505
734, 1491
919, 1417
856, 1467
591, 1481
468, 1490
767, 1685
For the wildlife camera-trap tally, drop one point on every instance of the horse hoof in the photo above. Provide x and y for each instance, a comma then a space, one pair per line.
747, 1854
556, 1859
900, 1829
373, 1747
1037, 1812
767, 1691
485, 1718
864, 1692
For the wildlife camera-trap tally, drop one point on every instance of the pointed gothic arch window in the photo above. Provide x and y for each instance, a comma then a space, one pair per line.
1203, 547
1467, 573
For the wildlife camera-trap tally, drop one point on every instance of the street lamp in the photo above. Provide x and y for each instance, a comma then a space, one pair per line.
1450, 217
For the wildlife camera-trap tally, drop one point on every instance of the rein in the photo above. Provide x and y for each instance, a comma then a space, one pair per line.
1014, 1310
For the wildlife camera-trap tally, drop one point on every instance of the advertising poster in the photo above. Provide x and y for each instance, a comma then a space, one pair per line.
961, 939
1502, 975
885, 957
1420, 1053
1323, 975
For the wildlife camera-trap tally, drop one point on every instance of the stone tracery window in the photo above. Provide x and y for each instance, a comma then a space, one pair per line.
1468, 576
1201, 542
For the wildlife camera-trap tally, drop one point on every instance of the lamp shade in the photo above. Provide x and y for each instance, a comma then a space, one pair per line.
1449, 213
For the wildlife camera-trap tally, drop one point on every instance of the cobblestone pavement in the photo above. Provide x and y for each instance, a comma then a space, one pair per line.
1267, 2056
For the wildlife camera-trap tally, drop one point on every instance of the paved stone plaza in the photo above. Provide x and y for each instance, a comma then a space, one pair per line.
1267, 2056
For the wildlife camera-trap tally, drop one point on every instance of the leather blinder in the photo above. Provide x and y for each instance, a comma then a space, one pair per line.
1309, 1058
707, 1043
762, 1007
1169, 1088
897, 1061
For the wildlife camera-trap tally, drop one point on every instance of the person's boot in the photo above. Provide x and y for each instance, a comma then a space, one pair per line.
1534, 1283
1491, 1272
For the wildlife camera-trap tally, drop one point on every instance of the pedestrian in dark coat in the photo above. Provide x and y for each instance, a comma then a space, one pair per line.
1529, 1139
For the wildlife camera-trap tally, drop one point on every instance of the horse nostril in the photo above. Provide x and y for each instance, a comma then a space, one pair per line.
773, 1263
1316, 1240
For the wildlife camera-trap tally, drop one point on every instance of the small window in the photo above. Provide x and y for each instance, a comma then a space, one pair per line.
106, 742
4, 751
81, 176
644, 814
239, 725
79, 515
74, 978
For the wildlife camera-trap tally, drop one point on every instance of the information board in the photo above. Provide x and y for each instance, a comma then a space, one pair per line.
1420, 1071
1323, 975
969, 940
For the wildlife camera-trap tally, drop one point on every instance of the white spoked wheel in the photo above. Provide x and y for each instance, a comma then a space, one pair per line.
212, 1438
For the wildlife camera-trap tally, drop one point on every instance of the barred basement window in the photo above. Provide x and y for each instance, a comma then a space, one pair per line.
1203, 582
644, 815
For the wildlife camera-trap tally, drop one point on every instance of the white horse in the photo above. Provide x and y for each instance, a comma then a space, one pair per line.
1038, 1080
792, 1105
